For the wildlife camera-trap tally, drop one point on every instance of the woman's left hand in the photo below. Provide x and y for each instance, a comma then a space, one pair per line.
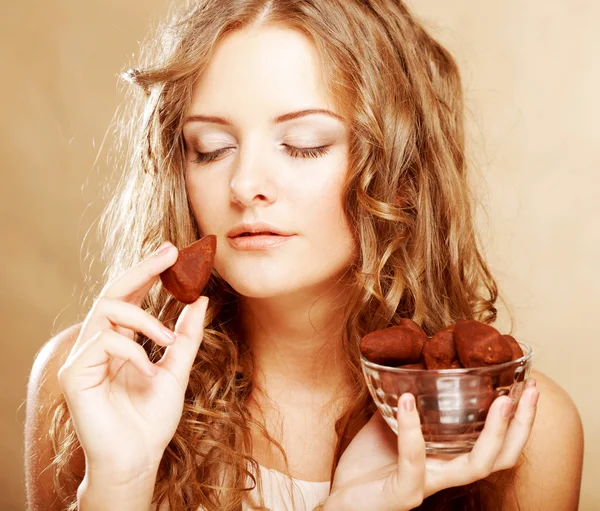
380, 471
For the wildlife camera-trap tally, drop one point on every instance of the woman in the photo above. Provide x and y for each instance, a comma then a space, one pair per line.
338, 126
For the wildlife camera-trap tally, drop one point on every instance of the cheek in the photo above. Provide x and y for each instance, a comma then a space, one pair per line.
204, 198
324, 210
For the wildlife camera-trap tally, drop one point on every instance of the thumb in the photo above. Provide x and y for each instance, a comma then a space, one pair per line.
189, 330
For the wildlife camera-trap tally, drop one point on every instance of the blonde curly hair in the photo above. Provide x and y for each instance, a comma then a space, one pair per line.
406, 198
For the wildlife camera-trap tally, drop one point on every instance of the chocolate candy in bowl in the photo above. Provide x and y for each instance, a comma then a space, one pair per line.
396, 345
452, 403
440, 351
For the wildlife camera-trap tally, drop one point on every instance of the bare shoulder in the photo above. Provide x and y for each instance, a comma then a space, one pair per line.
549, 474
42, 389
556, 396
51, 356
557, 426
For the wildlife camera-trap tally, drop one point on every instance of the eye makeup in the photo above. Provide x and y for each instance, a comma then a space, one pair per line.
294, 152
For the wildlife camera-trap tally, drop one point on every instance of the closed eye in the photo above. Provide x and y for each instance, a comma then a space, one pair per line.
294, 152
208, 157
306, 152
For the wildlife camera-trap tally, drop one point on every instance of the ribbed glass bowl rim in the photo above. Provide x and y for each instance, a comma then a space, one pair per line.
463, 370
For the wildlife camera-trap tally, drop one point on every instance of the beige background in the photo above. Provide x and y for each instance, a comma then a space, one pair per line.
530, 71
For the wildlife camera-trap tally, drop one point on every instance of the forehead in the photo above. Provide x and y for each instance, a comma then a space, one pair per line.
268, 69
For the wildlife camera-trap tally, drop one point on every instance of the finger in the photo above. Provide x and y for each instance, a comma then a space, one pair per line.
132, 317
189, 331
479, 462
130, 287
87, 366
135, 283
110, 313
519, 430
411, 448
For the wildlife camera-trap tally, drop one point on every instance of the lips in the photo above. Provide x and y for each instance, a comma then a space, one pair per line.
257, 228
257, 234
261, 241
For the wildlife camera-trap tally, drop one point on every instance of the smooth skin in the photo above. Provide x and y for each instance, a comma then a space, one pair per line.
294, 336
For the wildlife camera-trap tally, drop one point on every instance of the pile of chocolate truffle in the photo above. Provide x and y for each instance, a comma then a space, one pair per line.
464, 344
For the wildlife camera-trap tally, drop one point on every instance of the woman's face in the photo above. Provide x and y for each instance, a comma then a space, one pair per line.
255, 153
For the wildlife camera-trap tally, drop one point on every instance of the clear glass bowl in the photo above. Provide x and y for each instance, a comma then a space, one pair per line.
452, 403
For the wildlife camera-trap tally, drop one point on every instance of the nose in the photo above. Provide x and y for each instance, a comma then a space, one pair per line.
252, 183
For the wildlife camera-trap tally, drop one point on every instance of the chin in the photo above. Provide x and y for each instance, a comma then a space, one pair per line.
275, 282
257, 284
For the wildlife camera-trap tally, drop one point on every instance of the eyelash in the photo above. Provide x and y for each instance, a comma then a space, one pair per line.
294, 152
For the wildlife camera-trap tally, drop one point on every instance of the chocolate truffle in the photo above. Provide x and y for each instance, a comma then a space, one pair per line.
517, 352
188, 276
479, 344
439, 352
394, 346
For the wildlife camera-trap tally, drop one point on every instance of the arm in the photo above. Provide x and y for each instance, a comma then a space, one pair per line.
95, 492
549, 477
42, 388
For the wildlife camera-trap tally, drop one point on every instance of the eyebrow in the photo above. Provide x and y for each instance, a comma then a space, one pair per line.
277, 120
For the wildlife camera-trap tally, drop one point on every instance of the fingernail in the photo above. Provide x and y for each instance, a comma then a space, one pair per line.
409, 403
163, 248
534, 397
168, 335
152, 370
531, 382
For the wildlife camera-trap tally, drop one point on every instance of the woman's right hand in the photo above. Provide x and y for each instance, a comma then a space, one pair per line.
124, 414
382, 471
